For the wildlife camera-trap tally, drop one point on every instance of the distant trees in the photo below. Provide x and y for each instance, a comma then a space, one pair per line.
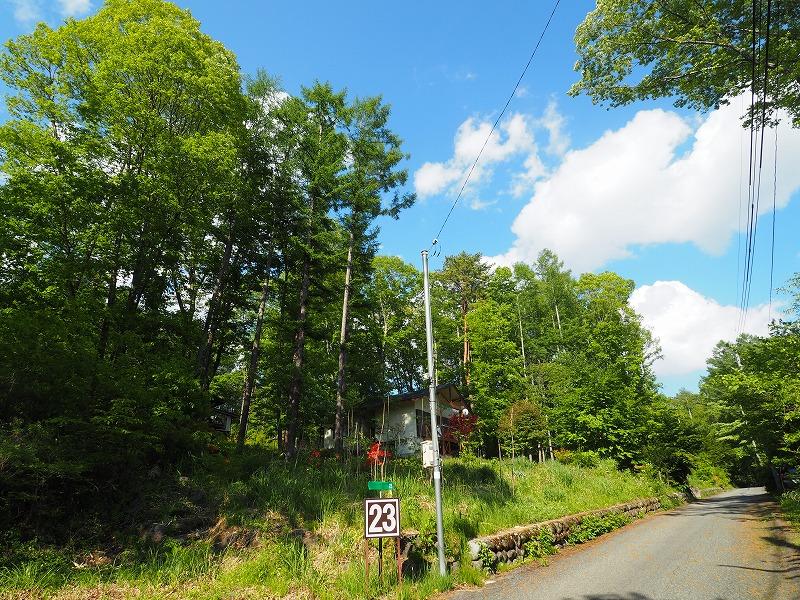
755, 383
569, 351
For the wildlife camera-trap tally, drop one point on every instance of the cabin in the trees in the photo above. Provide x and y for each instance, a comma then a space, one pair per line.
222, 416
403, 421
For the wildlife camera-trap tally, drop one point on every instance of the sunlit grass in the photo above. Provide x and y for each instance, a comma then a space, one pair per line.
790, 507
323, 502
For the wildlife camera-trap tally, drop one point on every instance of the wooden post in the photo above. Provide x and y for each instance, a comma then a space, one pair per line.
380, 561
399, 561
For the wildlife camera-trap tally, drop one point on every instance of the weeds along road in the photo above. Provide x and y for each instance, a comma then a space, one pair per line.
728, 547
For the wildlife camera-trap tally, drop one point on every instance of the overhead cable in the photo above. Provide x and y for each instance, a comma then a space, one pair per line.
494, 126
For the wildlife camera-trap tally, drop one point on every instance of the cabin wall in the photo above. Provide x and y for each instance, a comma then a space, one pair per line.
401, 429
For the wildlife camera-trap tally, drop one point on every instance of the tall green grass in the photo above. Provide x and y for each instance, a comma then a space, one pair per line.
310, 519
790, 507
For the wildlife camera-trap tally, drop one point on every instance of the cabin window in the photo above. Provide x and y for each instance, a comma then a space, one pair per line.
424, 424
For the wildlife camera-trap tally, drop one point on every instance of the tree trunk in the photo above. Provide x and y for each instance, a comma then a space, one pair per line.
341, 383
209, 329
558, 319
255, 351
466, 358
279, 429
111, 300
295, 388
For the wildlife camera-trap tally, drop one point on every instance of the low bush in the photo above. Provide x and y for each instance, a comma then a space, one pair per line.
541, 546
705, 476
790, 507
587, 459
593, 526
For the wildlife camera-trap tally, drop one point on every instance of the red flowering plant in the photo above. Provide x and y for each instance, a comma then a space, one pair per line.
461, 427
376, 457
315, 458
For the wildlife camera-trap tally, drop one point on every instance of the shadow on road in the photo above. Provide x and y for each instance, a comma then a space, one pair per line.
780, 542
628, 596
750, 507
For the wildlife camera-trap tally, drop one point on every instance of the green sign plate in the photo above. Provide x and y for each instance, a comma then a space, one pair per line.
380, 486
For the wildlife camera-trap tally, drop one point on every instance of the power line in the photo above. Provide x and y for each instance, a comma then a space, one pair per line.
761, 150
774, 186
774, 202
494, 126
750, 171
755, 194
739, 213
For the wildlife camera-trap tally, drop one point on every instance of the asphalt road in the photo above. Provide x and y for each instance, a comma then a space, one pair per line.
729, 547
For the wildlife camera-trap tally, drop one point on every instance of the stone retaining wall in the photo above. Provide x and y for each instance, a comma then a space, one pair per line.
509, 545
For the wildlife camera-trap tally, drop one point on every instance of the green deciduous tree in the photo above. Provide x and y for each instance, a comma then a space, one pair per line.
702, 53
120, 207
522, 428
609, 382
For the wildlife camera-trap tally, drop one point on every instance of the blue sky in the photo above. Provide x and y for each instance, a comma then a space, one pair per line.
647, 190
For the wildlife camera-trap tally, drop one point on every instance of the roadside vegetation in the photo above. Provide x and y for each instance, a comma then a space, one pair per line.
299, 527
790, 507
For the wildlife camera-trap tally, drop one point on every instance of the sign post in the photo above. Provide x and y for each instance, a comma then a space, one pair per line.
381, 520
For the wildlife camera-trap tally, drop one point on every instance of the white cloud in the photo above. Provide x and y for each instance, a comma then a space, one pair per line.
634, 186
553, 121
74, 8
26, 12
514, 138
689, 325
534, 170
432, 178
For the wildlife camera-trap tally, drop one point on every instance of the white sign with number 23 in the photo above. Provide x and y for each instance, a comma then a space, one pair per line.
381, 517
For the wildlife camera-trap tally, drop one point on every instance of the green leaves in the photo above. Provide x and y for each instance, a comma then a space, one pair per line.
592, 526
699, 53
754, 383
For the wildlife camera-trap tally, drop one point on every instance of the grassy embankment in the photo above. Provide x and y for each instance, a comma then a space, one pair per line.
790, 507
307, 521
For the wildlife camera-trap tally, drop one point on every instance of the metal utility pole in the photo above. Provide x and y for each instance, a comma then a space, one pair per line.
437, 464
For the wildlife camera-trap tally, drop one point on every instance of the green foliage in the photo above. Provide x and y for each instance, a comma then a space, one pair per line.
790, 507
592, 526
699, 53
753, 382
522, 428
541, 546
705, 476
601, 385
497, 377
587, 458
486, 557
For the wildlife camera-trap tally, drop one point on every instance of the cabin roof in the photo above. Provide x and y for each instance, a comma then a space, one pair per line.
448, 391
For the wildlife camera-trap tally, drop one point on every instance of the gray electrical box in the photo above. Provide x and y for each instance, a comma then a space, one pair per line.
427, 454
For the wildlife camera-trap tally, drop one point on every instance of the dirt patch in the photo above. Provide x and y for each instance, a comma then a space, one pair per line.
223, 536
